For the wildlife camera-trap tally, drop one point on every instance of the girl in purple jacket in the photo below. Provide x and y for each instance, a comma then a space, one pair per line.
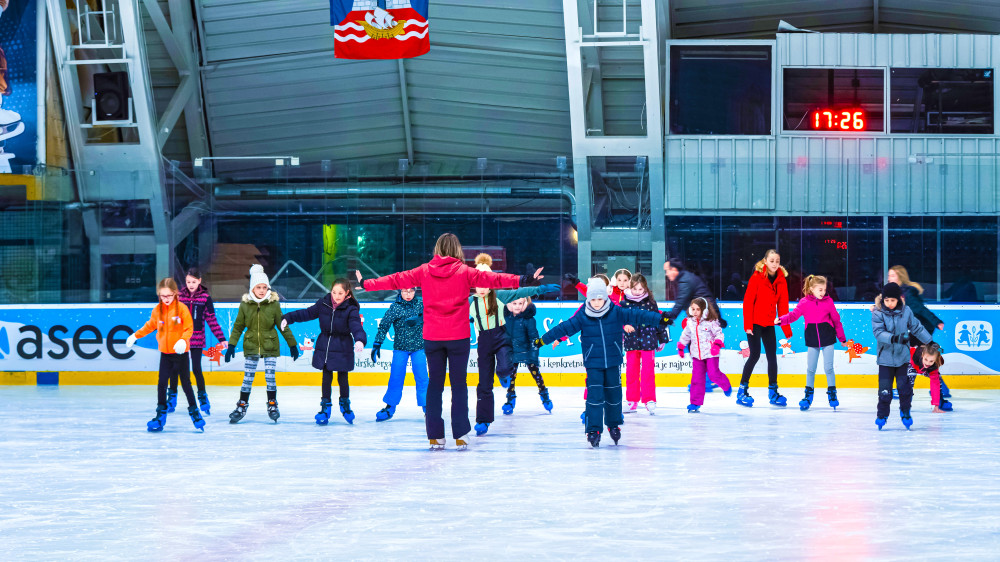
823, 330
195, 296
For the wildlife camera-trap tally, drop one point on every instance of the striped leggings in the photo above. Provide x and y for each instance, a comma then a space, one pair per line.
250, 371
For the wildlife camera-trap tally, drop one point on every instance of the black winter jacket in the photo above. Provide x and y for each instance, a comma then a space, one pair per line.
339, 329
522, 330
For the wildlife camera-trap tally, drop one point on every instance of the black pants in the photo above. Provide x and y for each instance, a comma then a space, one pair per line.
199, 377
172, 367
765, 335
535, 373
494, 359
885, 378
345, 388
442, 357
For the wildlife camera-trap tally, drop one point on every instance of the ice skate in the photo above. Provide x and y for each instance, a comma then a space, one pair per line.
437, 444
508, 407
171, 401
693, 409
632, 406
385, 413
906, 419
594, 438
272, 410
807, 400
345, 409
743, 396
831, 394
774, 398
196, 419
462, 443
546, 402
615, 433
204, 403
241, 410
325, 408
880, 422
651, 407
481, 429
160, 420
945, 405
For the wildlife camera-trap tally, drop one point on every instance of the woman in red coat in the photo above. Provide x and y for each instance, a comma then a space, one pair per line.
446, 281
765, 299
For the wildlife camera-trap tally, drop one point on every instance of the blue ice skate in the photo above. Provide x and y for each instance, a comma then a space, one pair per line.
481, 429
171, 401
204, 403
345, 409
946, 405
196, 419
508, 407
743, 396
907, 420
583, 418
385, 413
729, 392
945, 391
880, 422
775, 398
504, 381
546, 401
157, 423
693, 409
831, 394
325, 407
807, 400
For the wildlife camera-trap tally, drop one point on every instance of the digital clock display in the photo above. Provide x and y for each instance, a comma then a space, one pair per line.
851, 119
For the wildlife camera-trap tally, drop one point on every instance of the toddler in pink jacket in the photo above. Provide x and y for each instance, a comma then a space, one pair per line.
703, 336
823, 330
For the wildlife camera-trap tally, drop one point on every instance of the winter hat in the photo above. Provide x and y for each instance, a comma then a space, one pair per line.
596, 289
257, 276
891, 291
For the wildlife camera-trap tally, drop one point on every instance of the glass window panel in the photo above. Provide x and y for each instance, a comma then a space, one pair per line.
913, 245
969, 259
833, 99
941, 100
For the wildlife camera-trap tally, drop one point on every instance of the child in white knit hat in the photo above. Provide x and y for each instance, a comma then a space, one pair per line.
260, 315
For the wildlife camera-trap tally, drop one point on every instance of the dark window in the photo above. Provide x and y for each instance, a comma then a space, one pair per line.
833, 99
969, 259
720, 90
913, 245
941, 100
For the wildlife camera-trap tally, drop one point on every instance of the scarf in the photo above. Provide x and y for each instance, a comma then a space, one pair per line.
267, 295
597, 313
635, 298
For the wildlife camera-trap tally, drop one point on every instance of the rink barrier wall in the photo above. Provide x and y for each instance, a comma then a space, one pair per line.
84, 345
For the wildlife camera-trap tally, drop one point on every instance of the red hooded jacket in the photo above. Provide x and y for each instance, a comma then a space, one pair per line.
765, 298
446, 282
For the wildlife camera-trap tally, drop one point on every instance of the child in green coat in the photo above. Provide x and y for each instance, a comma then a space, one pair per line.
260, 315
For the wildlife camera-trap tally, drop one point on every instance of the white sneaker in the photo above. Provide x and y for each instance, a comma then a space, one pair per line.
632, 407
462, 443
651, 408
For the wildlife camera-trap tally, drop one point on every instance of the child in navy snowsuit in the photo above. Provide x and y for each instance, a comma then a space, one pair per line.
341, 337
406, 317
601, 328
522, 331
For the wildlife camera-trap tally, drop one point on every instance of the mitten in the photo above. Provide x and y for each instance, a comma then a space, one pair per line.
529, 281
230, 353
716, 346
412, 320
572, 279
538, 343
294, 352
130, 340
680, 350
180, 347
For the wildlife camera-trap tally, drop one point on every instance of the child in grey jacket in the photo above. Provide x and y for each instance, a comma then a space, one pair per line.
895, 327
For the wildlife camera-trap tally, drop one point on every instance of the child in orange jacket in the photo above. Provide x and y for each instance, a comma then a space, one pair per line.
171, 321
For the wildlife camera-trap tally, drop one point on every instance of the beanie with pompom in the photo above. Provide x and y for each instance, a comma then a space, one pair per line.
257, 276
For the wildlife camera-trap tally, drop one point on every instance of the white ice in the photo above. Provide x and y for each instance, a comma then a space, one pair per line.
80, 478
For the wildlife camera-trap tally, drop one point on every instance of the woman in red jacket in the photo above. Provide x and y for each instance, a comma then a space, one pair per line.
446, 281
766, 298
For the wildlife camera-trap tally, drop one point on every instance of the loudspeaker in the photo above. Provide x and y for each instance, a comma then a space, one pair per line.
111, 93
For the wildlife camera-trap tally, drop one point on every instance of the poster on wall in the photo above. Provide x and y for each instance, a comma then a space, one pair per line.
379, 29
92, 338
18, 86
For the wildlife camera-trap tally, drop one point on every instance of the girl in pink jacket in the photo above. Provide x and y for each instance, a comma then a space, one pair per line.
703, 335
823, 329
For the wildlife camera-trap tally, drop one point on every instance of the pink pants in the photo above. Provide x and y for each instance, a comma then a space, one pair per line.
640, 379
698, 371
935, 377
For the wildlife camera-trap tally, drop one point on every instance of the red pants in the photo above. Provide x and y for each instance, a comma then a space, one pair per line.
640, 378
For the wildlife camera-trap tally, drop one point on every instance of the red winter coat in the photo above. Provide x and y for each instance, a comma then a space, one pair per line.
446, 283
765, 300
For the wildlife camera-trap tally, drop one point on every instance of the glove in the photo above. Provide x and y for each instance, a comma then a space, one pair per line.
716, 346
294, 352
572, 279
680, 350
230, 353
376, 352
412, 320
551, 288
130, 340
665, 320
284, 324
901, 338
359, 346
529, 281
538, 343
180, 347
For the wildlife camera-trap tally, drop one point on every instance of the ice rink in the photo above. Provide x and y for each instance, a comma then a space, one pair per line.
83, 479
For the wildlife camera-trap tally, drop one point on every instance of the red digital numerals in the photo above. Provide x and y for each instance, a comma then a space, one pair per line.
838, 120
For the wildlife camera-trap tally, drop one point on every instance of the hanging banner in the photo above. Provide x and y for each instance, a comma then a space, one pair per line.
362, 29
18, 86
92, 338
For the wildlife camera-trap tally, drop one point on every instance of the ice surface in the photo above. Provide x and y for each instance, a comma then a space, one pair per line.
81, 479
